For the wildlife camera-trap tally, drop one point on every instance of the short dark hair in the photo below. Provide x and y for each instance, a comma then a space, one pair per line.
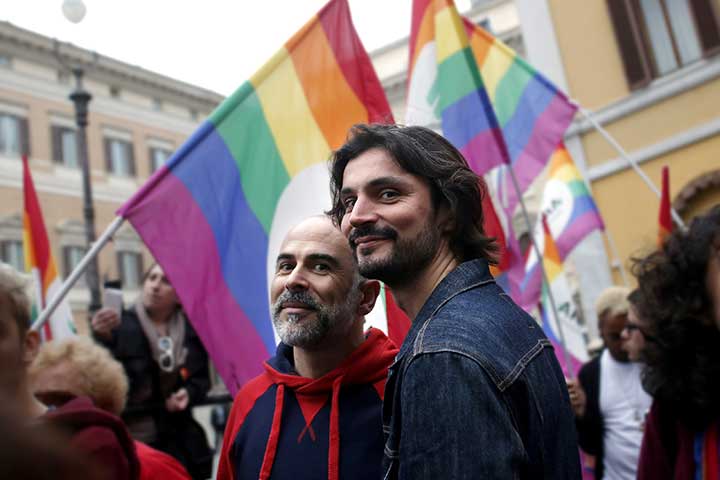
428, 155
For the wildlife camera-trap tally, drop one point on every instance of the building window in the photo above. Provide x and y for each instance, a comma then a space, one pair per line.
4, 60
157, 104
72, 255
64, 146
158, 157
12, 254
119, 157
130, 268
657, 37
14, 139
114, 91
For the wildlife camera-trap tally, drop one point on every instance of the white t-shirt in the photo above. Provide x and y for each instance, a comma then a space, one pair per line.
623, 405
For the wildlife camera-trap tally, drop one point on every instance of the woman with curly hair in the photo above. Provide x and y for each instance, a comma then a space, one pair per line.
680, 297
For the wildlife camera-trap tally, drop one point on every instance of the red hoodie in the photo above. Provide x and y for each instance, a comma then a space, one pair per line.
329, 427
99, 434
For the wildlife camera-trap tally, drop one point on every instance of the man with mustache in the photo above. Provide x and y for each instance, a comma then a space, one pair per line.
476, 390
315, 412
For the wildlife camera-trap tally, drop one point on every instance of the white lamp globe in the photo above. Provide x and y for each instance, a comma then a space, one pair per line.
74, 10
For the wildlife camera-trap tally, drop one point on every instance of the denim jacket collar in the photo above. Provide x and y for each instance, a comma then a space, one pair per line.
467, 275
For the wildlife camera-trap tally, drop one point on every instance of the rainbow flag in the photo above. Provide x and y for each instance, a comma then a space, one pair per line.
532, 112
567, 327
40, 264
665, 223
444, 85
214, 216
571, 216
706, 452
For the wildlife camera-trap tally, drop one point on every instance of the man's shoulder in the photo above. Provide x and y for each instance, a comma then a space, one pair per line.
487, 327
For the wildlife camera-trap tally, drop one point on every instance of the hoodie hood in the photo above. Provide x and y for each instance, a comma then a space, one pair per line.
100, 434
367, 364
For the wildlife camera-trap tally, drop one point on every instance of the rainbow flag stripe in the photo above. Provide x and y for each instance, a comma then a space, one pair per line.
216, 213
40, 264
531, 111
444, 84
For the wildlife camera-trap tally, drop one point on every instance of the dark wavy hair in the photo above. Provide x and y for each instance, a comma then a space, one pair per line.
683, 358
427, 155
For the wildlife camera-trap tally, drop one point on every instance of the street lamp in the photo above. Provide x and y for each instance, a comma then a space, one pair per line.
74, 11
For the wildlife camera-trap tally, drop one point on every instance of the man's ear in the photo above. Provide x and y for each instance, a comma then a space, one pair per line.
445, 219
31, 346
369, 289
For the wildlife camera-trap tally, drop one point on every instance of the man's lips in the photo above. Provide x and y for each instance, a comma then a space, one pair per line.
296, 307
369, 240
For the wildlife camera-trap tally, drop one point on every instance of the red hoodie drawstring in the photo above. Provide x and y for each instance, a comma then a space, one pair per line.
334, 441
271, 447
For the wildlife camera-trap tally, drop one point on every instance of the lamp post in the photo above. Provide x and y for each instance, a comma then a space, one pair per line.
74, 11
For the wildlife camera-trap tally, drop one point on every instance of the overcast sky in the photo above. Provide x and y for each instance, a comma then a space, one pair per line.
216, 44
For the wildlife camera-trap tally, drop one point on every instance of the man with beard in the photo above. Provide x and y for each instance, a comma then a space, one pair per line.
476, 390
315, 412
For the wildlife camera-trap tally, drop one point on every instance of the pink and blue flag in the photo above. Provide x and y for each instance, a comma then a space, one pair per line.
215, 214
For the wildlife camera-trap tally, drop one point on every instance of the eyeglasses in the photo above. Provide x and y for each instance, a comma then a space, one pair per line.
630, 327
166, 361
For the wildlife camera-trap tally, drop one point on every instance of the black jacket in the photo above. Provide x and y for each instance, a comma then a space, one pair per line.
592, 426
177, 433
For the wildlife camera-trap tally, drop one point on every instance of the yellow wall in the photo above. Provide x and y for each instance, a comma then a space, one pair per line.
586, 39
630, 209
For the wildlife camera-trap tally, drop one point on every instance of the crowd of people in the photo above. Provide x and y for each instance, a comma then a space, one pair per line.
474, 391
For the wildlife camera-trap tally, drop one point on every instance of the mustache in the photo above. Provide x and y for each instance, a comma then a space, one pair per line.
371, 230
297, 297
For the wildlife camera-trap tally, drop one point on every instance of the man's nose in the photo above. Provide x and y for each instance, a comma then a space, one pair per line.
364, 211
296, 280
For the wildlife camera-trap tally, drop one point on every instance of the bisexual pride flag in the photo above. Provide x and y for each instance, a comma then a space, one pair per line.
214, 216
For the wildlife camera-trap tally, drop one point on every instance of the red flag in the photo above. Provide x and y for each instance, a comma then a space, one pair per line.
665, 218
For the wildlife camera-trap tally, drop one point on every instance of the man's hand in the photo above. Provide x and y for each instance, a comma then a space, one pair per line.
578, 399
178, 401
104, 322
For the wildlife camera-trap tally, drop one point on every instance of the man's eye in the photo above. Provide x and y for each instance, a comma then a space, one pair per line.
321, 268
389, 194
284, 267
348, 203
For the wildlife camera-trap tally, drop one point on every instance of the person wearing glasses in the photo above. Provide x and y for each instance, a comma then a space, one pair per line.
680, 297
609, 402
167, 368
637, 330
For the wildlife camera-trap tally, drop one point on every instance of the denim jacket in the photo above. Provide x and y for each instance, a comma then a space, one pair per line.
476, 391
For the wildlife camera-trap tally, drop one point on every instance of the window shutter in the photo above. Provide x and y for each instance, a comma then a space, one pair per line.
120, 270
707, 24
629, 38
66, 261
108, 158
56, 141
151, 164
131, 157
24, 136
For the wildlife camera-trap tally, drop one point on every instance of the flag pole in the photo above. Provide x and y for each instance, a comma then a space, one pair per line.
624, 155
531, 232
75, 274
616, 257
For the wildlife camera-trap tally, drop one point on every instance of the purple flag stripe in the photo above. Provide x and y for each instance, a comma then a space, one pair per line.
200, 284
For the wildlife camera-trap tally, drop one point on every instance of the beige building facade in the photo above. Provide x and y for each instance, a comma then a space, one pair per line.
137, 119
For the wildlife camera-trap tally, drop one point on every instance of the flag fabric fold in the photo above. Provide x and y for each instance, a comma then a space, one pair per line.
215, 214
40, 264
570, 213
566, 330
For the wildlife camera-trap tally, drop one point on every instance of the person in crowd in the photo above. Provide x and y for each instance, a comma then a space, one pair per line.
315, 412
94, 433
74, 367
608, 399
476, 391
636, 332
167, 368
680, 297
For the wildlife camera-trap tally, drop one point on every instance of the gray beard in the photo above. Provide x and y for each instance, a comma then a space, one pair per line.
309, 333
